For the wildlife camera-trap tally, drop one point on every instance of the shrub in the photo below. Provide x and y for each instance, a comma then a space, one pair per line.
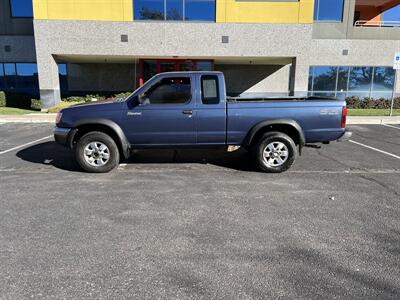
122, 95
3, 102
36, 104
353, 102
87, 98
396, 103
61, 105
370, 103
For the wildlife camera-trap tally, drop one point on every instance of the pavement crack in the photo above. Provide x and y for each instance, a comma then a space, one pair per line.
350, 168
384, 185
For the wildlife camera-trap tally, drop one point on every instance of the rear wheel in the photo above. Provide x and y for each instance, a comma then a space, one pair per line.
97, 152
275, 152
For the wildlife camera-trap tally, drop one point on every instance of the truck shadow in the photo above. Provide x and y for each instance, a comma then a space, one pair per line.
50, 153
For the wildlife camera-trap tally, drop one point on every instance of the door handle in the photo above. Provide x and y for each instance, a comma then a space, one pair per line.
187, 112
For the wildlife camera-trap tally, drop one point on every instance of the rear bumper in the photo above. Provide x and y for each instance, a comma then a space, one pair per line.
345, 137
61, 135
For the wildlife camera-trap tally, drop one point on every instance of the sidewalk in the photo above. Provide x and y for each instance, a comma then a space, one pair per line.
29, 118
50, 118
372, 120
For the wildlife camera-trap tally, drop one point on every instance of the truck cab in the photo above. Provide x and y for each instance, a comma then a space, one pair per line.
177, 109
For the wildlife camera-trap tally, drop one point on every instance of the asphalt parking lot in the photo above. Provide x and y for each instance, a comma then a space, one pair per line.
200, 224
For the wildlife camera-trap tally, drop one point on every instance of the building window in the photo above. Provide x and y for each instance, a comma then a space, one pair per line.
175, 10
328, 10
360, 80
200, 10
2, 83
342, 81
21, 8
383, 83
63, 77
27, 78
10, 76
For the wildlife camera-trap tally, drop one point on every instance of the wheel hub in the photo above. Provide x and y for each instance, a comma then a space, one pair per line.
275, 154
96, 154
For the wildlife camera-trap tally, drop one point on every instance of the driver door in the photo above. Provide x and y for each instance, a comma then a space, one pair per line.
163, 114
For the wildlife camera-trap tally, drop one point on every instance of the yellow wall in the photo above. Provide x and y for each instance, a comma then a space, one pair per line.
104, 10
229, 11
232, 11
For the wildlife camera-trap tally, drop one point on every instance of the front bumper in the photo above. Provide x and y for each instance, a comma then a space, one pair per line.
345, 137
61, 135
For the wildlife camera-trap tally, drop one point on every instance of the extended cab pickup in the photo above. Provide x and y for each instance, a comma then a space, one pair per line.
191, 109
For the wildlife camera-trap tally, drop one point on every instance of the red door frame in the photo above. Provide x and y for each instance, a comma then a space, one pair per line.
167, 60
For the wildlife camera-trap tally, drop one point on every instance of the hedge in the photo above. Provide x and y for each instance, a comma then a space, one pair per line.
2, 99
369, 103
36, 104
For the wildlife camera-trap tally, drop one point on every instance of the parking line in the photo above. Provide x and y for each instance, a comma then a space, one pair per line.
377, 150
27, 144
391, 126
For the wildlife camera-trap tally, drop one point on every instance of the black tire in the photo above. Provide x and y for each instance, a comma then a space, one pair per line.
276, 139
101, 138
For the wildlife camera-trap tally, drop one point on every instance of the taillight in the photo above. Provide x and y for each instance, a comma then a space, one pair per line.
344, 116
58, 117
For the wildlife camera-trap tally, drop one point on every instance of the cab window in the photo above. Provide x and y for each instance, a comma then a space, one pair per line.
209, 89
172, 90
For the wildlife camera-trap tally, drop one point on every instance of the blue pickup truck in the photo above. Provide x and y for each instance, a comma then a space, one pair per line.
191, 110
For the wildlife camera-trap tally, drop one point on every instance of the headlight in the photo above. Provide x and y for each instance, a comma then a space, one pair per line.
58, 117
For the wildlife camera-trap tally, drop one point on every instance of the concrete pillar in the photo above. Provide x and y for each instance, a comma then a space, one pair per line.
49, 83
298, 85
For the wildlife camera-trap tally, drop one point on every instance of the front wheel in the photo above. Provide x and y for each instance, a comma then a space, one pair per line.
275, 152
96, 152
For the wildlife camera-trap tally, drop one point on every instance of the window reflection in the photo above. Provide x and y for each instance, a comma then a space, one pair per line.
21, 8
328, 10
325, 78
360, 79
383, 79
342, 82
149, 9
2, 84
63, 77
200, 10
343, 78
175, 10
23, 78
27, 76
9, 75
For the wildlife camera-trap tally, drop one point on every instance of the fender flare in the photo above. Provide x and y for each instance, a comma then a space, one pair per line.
253, 131
122, 140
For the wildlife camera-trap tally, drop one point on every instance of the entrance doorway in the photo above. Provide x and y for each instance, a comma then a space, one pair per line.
150, 67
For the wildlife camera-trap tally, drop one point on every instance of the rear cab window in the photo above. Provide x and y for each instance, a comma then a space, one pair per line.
209, 89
